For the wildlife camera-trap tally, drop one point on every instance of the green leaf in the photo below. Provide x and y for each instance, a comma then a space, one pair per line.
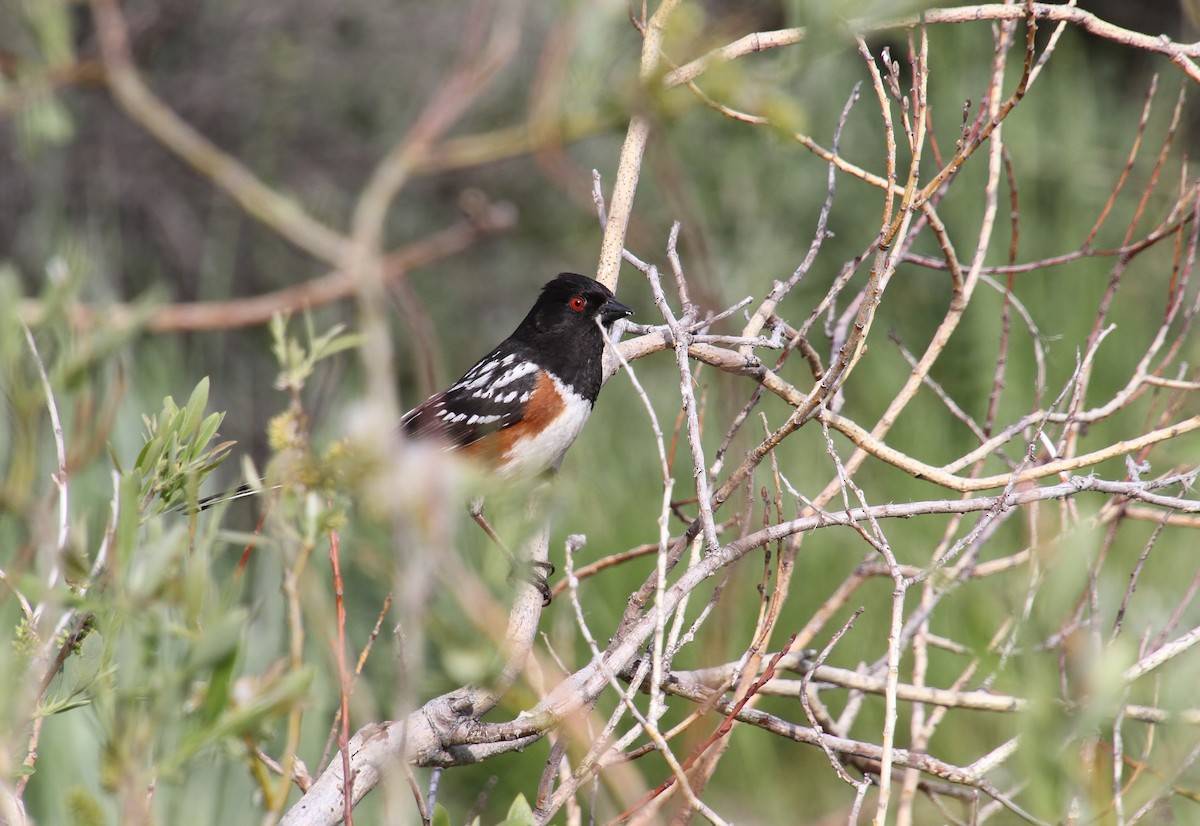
194, 411
69, 688
332, 341
208, 429
519, 813
84, 809
279, 323
128, 516
155, 564
441, 817
219, 642
61, 706
112, 455
216, 698
44, 122
147, 457
214, 463
51, 25
169, 411
278, 698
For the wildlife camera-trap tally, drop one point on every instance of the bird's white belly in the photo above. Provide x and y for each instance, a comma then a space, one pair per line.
533, 455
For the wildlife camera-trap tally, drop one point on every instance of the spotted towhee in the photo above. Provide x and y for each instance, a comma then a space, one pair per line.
523, 404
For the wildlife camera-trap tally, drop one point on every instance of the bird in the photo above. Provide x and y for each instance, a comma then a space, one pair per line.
521, 406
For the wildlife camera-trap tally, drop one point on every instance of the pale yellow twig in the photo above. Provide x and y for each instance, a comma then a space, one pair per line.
629, 167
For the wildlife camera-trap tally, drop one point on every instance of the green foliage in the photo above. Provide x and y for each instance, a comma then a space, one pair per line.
46, 122
83, 809
441, 817
49, 23
296, 358
72, 686
178, 453
519, 813
152, 658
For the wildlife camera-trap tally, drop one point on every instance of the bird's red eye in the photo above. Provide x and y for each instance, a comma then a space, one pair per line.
577, 303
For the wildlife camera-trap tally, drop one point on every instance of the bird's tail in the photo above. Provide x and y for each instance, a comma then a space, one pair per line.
240, 492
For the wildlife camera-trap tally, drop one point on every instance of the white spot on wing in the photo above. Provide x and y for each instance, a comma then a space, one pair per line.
520, 371
480, 380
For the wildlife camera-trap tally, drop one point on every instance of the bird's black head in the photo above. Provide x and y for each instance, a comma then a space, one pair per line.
570, 303
561, 329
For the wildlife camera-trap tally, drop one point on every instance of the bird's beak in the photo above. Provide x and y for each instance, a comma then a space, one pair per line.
611, 310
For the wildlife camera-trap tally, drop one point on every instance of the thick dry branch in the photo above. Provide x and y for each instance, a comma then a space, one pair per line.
1165, 230
1015, 498
1163, 655
258, 309
964, 484
977, 700
437, 733
447, 730
971, 775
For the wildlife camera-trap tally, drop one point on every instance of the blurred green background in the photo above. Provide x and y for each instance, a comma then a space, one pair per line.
309, 95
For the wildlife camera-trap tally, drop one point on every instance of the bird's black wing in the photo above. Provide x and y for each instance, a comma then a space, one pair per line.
490, 396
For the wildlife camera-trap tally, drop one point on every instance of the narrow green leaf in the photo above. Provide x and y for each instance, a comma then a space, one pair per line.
148, 456
112, 455
194, 411
208, 429
220, 685
128, 516
337, 345
441, 817
519, 813
218, 642
280, 697
61, 706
